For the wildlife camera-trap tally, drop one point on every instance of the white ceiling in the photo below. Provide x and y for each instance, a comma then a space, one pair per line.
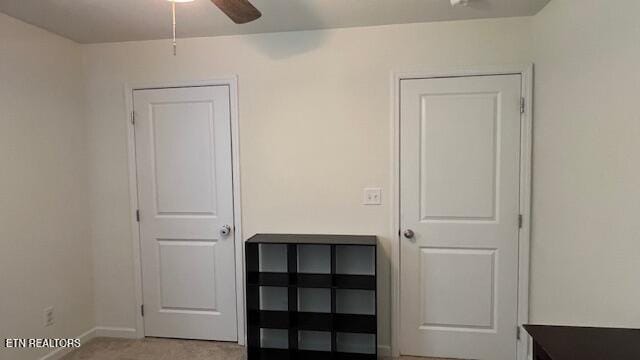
93, 21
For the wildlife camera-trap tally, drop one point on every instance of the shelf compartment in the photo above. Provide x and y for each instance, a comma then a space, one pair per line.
274, 338
357, 302
273, 298
314, 259
355, 260
314, 341
356, 344
314, 300
272, 258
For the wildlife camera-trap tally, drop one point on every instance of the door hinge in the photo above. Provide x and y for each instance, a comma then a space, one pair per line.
520, 220
142, 310
518, 333
133, 117
138, 215
522, 105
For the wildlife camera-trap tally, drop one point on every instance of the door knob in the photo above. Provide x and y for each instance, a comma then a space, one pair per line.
409, 234
225, 230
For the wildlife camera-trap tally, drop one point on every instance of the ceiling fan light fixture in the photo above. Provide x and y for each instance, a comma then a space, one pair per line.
173, 15
459, 2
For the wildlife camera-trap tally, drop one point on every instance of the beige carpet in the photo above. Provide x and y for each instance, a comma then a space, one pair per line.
161, 349
156, 349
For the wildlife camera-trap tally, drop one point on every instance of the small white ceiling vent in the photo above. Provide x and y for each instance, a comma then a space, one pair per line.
459, 2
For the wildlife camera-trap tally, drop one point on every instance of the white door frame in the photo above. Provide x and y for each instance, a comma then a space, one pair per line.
232, 83
526, 71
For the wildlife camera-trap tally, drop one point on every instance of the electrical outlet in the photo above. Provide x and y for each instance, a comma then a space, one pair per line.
48, 316
372, 196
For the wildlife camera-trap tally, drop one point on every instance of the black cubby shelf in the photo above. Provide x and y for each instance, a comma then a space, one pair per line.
284, 324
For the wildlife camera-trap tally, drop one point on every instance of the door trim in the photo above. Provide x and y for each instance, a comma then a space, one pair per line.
527, 72
232, 83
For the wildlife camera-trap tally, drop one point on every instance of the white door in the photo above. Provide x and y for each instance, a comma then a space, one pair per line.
183, 157
460, 165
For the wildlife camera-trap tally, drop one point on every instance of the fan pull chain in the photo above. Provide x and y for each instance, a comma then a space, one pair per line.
173, 11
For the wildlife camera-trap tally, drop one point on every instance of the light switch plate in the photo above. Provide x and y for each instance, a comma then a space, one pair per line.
372, 196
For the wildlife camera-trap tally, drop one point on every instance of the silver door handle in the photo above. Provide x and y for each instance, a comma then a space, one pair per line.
225, 230
409, 234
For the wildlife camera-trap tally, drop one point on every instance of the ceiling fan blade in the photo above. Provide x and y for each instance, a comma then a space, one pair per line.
240, 11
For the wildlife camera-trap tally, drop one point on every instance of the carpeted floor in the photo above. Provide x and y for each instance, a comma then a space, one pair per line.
161, 349
156, 349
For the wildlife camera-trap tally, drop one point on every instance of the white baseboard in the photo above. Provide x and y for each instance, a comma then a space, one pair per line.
116, 332
384, 351
60, 352
98, 331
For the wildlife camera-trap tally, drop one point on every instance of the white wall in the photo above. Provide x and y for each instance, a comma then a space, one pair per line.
45, 248
586, 204
314, 124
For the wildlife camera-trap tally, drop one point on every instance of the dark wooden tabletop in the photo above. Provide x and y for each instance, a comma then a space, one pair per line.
586, 343
313, 239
